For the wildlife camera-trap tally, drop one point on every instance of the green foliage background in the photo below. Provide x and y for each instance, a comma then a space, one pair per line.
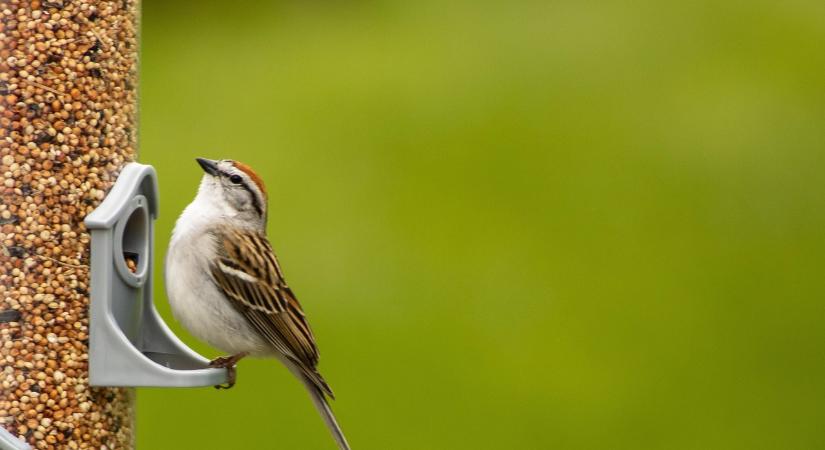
513, 224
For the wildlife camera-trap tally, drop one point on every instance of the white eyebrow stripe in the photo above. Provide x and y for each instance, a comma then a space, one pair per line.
237, 273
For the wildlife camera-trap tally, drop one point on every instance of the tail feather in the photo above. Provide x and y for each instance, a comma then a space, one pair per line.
322, 406
318, 390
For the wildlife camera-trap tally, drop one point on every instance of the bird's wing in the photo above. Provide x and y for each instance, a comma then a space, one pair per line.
248, 273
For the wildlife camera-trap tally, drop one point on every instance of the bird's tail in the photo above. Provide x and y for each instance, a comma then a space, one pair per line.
319, 399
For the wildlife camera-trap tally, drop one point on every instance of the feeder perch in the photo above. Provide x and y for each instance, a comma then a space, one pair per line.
129, 344
9, 442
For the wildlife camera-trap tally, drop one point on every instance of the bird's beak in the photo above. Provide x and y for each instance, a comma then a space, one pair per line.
209, 166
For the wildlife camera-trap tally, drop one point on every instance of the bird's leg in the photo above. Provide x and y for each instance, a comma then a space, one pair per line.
228, 363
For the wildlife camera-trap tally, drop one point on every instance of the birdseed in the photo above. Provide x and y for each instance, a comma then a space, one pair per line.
68, 112
131, 261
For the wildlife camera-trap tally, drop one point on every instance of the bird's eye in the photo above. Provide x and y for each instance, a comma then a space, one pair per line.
236, 179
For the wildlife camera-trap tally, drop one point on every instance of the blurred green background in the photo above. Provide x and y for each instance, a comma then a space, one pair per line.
513, 224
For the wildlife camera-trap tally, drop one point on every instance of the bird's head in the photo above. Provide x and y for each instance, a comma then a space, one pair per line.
235, 189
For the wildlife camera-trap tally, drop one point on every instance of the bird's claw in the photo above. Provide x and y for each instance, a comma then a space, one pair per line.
231, 375
228, 363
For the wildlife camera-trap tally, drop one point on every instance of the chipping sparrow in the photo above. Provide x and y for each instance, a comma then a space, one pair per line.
226, 287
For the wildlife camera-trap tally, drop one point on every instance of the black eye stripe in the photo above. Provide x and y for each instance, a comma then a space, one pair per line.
256, 203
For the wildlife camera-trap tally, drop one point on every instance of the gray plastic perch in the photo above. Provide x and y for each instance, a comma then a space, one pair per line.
130, 345
10, 442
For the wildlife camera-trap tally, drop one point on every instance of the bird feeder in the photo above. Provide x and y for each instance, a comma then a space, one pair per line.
77, 325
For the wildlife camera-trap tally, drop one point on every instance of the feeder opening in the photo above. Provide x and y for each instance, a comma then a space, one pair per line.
135, 243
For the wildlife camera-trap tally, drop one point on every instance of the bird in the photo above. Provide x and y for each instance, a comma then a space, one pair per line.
225, 285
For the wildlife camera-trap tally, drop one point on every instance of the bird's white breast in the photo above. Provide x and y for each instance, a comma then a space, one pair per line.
196, 301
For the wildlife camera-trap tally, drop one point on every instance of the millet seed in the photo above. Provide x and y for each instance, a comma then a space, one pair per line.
68, 111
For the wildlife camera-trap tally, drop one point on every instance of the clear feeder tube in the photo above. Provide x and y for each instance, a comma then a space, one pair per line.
68, 124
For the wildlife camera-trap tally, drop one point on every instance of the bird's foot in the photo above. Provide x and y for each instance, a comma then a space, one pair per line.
231, 375
228, 363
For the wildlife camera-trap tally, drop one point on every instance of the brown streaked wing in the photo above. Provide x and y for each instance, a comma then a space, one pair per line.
248, 273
